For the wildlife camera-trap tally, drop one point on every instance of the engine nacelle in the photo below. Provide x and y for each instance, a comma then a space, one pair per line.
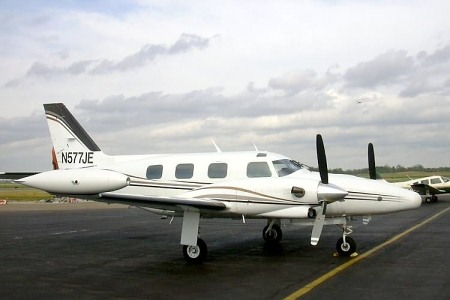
77, 181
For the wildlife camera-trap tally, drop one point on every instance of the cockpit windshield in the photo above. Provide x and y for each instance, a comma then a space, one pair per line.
445, 179
286, 166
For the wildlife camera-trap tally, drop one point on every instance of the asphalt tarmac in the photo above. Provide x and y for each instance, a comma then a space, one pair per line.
95, 251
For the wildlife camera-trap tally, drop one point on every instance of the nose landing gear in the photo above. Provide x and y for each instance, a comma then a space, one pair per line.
346, 246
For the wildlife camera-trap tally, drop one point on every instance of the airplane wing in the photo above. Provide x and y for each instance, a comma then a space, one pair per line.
175, 203
425, 189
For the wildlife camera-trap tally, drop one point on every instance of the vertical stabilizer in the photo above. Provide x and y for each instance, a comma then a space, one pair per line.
73, 147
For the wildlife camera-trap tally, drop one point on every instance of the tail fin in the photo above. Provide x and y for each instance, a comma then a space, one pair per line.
73, 147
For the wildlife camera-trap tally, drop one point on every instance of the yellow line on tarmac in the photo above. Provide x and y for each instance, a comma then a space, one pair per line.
313, 284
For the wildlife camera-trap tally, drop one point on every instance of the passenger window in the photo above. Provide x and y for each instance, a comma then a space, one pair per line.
184, 171
258, 169
435, 180
154, 172
217, 170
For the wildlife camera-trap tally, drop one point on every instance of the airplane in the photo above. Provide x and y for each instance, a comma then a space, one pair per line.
429, 186
237, 185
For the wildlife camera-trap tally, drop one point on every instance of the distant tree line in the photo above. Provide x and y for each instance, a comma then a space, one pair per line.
388, 169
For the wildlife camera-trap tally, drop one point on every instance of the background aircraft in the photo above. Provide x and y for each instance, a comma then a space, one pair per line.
237, 185
429, 186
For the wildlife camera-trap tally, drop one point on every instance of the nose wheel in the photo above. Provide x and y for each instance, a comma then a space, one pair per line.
346, 247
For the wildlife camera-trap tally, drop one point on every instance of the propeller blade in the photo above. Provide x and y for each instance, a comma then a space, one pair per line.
371, 157
318, 224
322, 159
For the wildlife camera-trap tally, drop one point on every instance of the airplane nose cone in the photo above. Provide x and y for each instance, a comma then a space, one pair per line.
412, 199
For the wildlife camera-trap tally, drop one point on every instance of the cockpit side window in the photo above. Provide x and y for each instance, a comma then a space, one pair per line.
285, 166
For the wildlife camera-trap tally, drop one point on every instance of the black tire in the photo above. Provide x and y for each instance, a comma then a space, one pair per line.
434, 198
274, 235
195, 254
346, 250
428, 199
312, 213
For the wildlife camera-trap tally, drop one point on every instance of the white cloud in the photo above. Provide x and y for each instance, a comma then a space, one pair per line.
386, 68
148, 53
164, 76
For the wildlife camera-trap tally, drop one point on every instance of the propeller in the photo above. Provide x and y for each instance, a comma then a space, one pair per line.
322, 159
326, 192
371, 157
318, 223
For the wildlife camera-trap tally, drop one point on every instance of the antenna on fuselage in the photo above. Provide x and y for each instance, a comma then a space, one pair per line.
256, 148
215, 145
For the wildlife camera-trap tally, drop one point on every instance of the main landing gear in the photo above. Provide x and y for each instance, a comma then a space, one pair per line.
432, 198
272, 233
194, 248
195, 254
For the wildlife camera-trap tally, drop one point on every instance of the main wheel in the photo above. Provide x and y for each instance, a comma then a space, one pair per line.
195, 254
274, 235
428, 199
346, 249
434, 198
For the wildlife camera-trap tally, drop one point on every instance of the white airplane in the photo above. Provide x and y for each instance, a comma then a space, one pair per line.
429, 186
252, 184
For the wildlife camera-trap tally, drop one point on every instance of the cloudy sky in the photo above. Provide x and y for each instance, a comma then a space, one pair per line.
169, 76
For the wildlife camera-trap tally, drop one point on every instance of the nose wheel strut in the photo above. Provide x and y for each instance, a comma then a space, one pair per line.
346, 246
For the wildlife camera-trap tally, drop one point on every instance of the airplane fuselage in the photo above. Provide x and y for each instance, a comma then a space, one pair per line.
255, 184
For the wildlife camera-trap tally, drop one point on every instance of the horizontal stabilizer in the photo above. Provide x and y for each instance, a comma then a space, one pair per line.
15, 175
76, 181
